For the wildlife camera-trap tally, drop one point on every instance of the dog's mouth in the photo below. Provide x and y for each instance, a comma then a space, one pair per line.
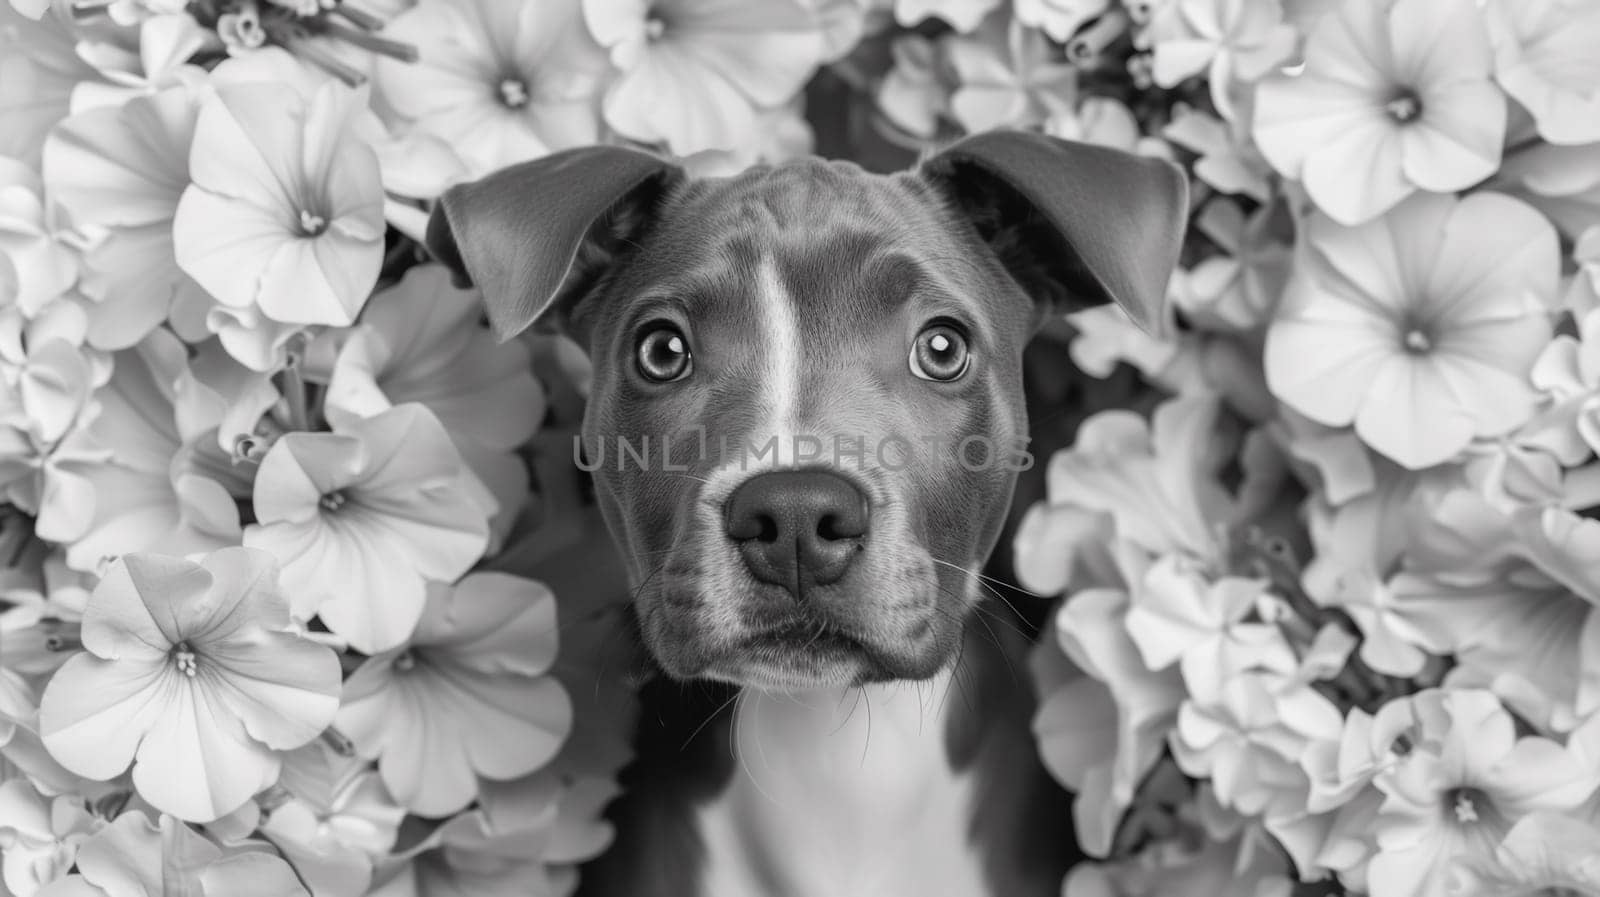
821, 640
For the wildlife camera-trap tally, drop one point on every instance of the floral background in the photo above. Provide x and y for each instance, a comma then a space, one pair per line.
302, 596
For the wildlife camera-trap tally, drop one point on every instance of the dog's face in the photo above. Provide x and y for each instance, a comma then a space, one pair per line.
806, 417
825, 368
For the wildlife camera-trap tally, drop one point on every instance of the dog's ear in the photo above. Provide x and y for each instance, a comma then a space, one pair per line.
539, 230
1077, 225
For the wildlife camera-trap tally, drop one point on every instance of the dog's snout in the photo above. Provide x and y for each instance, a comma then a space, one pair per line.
797, 527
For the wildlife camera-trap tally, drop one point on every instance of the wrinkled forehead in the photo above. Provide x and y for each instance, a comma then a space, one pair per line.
844, 246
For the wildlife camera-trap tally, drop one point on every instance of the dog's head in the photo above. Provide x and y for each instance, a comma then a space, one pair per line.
806, 417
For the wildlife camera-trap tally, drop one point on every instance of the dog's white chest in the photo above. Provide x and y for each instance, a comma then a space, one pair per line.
843, 793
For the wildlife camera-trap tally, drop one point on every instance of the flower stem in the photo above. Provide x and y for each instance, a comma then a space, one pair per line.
371, 42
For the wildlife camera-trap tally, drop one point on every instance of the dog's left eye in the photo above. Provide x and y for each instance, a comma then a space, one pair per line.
940, 353
664, 354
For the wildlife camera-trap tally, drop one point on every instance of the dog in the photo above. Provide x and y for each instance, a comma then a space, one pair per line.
805, 427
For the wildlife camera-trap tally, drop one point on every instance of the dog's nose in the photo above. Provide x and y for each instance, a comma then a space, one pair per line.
797, 527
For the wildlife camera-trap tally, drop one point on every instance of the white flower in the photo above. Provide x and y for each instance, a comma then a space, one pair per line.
1238, 289
191, 675
912, 94
1563, 182
362, 518
39, 70
285, 212
962, 15
45, 375
1157, 480
1395, 97
1543, 58
166, 43
693, 74
1059, 18
157, 492
131, 857
1178, 617
121, 170
1100, 733
1544, 853
35, 265
424, 341
1006, 78
1568, 370
337, 822
1457, 793
1228, 40
1421, 327
38, 837
467, 697
1515, 598
500, 82
1247, 737
1228, 161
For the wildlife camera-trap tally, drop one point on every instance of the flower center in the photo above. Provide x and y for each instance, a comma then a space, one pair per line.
1405, 106
1469, 807
333, 501
184, 658
312, 224
405, 662
1417, 341
514, 93
655, 24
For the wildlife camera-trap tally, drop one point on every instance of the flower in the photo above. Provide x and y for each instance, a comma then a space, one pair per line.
1228, 160
158, 491
1544, 853
912, 95
45, 376
1225, 39
693, 74
1006, 78
189, 673
1515, 598
962, 15
131, 856
337, 821
38, 837
35, 266
39, 70
1458, 792
1247, 737
1542, 58
501, 82
164, 45
424, 341
1177, 617
48, 477
121, 170
1420, 327
285, 212
1563, 182
466, 697
1100, 733
1237, 290
1395, 97
1059, 18
362, 518
1157, 480
1568, 370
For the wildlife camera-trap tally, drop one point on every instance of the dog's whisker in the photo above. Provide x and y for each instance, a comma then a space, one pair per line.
707, 721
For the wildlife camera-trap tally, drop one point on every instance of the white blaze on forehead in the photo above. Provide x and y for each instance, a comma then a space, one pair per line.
780, 335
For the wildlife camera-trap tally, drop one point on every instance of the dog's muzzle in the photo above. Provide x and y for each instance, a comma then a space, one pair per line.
798, 529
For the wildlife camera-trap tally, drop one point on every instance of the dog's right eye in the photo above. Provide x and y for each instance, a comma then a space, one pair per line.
664, 354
